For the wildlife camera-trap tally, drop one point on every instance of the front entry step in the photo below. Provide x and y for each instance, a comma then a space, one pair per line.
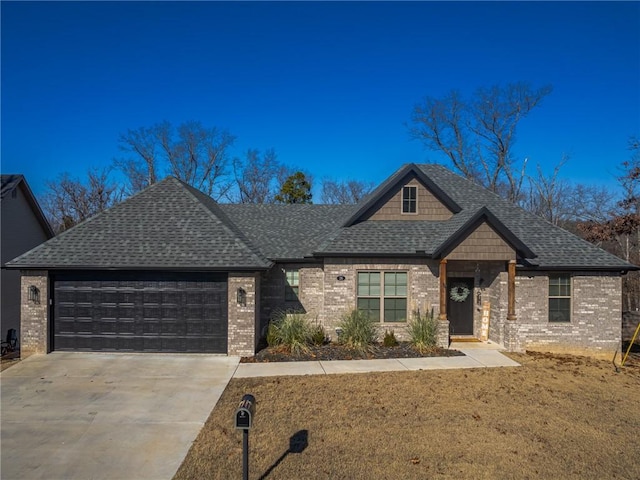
465, 338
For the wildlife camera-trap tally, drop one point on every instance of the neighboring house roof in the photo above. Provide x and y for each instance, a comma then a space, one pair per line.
173, 225
9, 182
170, 225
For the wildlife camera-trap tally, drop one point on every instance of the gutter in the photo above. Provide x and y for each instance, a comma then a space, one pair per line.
139, 268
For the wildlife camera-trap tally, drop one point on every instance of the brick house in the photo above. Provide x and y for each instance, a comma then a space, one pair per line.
171, 270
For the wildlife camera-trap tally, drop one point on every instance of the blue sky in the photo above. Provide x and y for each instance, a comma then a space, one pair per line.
329, 86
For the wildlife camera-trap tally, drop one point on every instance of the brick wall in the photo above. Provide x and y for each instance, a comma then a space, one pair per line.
340, 295
326, 298
596, 302
243, 319
311, 292
34, 323
595, 326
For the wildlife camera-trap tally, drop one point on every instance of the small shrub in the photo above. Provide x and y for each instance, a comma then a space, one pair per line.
318, 335
389, 339
423, 331
291, 330
358, 330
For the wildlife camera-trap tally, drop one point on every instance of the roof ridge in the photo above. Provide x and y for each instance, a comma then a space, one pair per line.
221, 216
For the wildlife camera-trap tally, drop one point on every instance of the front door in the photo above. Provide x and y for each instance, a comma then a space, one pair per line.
460, 305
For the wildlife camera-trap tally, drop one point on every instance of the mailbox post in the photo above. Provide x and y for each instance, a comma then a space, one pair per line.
244, 421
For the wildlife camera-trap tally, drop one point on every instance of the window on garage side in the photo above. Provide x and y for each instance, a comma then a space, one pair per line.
560, 298
292, 285
383, 295
409, 199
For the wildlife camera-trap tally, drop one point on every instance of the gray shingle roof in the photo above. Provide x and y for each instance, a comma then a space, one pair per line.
172, 225
553, 247
167, 226
287, 232
9, 182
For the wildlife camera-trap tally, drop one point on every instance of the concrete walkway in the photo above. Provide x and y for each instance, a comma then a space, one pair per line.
477, 355
106, 416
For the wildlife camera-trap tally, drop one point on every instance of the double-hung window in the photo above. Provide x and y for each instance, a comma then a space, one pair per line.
383, 295
409, 199
559, 298
292, 285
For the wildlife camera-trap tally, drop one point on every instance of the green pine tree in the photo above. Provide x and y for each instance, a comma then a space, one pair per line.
296, 189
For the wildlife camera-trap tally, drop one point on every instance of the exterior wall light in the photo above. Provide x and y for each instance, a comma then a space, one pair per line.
34, 294
242, 297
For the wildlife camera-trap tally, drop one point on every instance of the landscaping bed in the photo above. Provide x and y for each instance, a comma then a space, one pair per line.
292, 337
333, 351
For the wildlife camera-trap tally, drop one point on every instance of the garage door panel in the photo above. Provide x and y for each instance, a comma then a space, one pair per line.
126, 327
106, 326
140, 312
151, 297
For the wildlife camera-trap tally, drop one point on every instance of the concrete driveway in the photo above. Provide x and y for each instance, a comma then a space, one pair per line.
106, 416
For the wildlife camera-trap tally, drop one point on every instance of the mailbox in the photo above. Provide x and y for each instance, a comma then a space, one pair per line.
244, 412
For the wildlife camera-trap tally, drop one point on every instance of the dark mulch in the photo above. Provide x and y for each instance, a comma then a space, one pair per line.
332, 351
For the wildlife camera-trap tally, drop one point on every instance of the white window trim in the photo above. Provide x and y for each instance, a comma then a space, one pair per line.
402, 212
570, 297
292, 287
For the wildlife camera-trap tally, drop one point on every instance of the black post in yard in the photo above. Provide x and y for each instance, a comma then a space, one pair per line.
245, 454
244, 421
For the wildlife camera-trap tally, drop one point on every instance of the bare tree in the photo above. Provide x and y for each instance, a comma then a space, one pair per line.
257, 177
199, 156
547, 195
69, 201
191, 152
141, 165
589, 202
477, 135
620, 234
345, 192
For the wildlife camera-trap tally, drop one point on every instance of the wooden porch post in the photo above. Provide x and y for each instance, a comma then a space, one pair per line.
443, 289
511, 291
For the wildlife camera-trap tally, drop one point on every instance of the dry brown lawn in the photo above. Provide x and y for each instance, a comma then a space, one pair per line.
556, 417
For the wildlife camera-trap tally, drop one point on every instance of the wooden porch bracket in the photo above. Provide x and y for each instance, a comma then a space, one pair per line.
443, 290
511, 291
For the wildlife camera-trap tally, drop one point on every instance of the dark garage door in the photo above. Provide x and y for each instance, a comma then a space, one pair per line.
140, 312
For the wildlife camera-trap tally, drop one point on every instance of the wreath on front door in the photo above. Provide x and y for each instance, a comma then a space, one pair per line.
459, 292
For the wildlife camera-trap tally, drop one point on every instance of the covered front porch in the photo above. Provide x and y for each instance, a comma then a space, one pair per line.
477, 301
